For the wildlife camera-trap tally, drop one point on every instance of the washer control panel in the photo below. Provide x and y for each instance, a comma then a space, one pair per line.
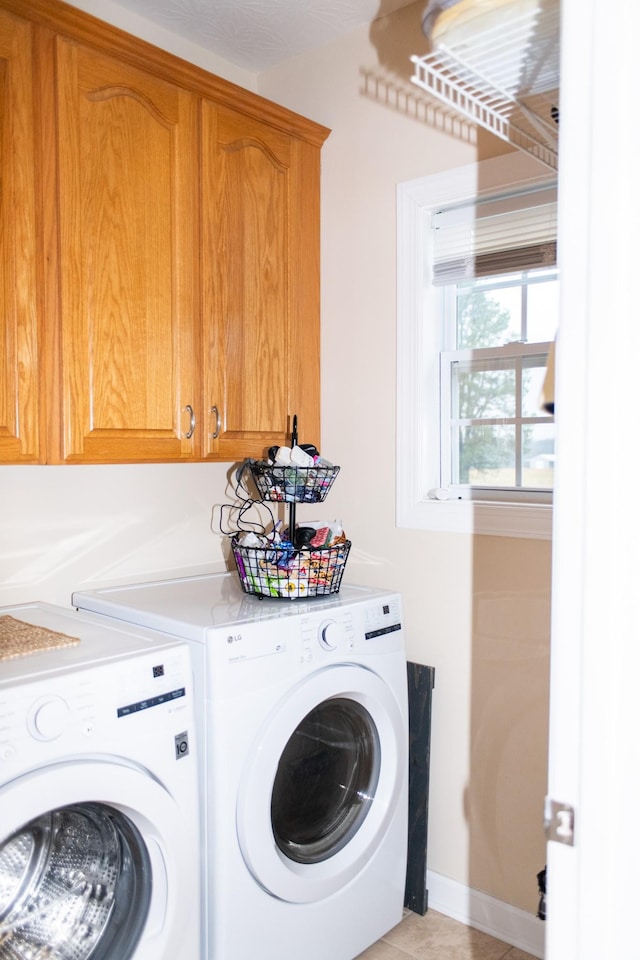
93, 706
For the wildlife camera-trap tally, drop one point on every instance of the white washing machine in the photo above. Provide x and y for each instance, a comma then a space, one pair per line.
303, 706
99, 796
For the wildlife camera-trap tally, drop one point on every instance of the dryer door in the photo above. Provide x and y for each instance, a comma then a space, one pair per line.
84, 863
322, 784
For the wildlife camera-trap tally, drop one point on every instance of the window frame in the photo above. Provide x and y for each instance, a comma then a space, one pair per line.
420, 502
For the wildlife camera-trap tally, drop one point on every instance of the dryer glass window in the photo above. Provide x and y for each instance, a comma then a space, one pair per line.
325, 781
74, 884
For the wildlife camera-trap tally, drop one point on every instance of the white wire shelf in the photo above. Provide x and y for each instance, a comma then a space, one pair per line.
505, 78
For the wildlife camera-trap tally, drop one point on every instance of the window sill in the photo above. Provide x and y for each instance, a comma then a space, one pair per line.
498, 519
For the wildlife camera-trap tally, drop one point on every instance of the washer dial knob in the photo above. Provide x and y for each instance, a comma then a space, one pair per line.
329, 634
48, 718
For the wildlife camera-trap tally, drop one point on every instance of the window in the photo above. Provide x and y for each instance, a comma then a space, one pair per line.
477, 312
495, 441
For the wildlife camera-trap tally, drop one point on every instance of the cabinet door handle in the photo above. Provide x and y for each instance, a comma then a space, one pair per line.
192, 422
216, 432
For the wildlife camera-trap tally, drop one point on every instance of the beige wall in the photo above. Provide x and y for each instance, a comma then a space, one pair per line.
477, 610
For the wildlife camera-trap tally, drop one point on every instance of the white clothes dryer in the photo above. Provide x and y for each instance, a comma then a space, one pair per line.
303, 706
99, 798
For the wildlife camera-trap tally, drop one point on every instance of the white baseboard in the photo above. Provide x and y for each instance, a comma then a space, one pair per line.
500, 920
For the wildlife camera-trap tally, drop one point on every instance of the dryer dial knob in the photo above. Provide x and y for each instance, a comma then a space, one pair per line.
329, 635
48, 718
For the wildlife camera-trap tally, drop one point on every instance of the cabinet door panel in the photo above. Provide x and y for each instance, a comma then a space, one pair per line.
19, 396
128, 258
251, 208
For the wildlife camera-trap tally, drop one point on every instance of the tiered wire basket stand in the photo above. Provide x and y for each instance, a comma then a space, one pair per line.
298, 567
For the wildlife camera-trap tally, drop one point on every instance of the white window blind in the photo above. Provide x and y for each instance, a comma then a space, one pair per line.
503, 234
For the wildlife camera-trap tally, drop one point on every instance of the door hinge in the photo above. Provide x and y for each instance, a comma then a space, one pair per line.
558, 821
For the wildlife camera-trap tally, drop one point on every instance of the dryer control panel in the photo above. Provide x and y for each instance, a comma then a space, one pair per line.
366, 628
263, 653
353, 627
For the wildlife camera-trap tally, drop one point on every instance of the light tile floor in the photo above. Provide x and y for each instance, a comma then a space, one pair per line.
436, 937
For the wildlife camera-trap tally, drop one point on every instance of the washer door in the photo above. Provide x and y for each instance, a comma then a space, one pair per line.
83, 873
322, 784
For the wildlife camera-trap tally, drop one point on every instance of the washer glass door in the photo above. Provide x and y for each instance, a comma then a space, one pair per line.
74, 885
325, 781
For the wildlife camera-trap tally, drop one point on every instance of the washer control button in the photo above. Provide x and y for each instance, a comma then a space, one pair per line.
48, 718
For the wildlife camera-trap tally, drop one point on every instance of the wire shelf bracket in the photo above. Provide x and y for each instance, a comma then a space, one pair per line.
504, 78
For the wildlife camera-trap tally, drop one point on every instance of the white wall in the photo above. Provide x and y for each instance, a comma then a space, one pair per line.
63, 527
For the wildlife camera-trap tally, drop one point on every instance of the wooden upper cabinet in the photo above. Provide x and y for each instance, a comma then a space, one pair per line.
128, 259
160, 235
20, 406
260, 284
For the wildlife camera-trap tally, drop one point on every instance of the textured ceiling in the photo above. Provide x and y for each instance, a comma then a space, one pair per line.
257, 34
